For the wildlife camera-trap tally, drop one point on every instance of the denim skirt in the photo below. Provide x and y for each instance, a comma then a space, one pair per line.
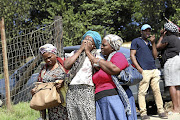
112, 108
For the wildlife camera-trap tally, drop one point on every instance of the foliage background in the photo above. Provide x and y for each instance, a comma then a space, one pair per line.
121, 17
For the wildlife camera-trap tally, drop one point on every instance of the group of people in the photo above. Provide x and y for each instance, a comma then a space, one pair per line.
143, 53
92, 94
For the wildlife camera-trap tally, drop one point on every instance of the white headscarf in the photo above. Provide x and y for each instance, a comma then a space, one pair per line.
48, 48
114, 40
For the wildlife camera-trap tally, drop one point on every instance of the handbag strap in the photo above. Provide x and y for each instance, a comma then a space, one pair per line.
61, 62
43, 88
110, 56
120, 89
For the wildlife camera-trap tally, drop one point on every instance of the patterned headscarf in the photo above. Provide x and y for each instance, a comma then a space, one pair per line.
114, 40
96, 37
48, 48
171, 27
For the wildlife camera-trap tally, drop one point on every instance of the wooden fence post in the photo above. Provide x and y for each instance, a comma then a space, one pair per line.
58, 35
5, 64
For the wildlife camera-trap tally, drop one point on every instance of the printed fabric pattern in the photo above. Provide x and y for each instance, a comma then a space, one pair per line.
59, 112
80, 102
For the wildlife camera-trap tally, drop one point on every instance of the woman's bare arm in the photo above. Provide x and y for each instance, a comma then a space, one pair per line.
69, 61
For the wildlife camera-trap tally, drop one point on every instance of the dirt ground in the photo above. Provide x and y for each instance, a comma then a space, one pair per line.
156, 117
167, 107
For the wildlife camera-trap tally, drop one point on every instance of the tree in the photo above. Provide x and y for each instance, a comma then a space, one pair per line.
121, 17
153, 12
103, 16
15, 13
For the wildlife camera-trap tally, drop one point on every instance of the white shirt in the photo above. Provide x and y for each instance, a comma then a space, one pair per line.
84, 75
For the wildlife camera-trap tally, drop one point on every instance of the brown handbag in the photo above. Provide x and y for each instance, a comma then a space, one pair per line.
46, 96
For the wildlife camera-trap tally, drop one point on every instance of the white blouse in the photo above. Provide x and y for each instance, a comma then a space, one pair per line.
84, 75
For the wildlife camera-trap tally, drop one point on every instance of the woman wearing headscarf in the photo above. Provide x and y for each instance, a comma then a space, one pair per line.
53, 71
80, 95
169, 43
109, 104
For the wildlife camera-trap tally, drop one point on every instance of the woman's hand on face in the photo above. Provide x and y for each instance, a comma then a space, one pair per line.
58, 83
82, 47
88, 46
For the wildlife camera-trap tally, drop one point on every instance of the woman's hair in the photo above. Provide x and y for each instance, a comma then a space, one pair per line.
114, 40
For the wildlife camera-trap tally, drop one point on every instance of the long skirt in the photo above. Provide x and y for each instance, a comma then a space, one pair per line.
172, 71
81, 102
112, 108
58, 113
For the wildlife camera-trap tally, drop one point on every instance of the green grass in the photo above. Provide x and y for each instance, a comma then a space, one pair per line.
21, 111
1, 76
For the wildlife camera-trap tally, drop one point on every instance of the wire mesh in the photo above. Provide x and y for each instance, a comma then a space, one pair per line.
24, 61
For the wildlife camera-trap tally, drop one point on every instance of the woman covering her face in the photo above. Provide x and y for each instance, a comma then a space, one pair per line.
109, 105
53, 71
80, 94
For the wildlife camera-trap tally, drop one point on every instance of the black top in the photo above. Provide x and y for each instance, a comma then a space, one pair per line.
173, 47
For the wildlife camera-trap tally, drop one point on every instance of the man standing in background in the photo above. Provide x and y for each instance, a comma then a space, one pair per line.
143, 54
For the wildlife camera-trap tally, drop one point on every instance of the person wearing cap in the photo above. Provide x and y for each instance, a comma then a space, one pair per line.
169, 44
143, 53
80, 94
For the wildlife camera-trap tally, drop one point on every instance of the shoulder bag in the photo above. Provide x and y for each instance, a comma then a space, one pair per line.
46, 96
129, 76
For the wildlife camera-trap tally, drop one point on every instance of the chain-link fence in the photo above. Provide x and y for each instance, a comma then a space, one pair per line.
24, 61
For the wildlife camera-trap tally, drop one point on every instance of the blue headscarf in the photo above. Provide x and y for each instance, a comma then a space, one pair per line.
96, 37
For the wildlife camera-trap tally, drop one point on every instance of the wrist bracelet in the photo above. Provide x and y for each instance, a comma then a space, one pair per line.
97, 64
